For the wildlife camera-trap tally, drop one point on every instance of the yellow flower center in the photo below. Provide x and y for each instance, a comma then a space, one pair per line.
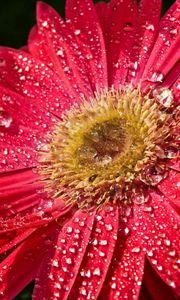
104, 147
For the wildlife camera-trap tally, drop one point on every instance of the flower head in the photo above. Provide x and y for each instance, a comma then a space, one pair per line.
89, 122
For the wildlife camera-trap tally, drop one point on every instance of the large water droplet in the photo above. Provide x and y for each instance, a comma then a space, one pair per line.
128, 26
5, 119
164, 96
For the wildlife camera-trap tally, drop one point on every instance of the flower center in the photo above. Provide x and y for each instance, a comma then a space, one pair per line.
103, 144
107, 147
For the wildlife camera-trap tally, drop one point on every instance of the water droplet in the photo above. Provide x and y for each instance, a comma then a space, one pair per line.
167, 242
102, 254
164, 96
81, 223
69, 229
154, 261
150, 27
157, 77
171, 283
150, 253
72, 250
83, 291
55, 263
113, 285
174, 31
103, 242
172, 253
77, 32
128, 26
160, 268
126, 230
69, 261
88, 273
136, 250
109, 227
2, 62
147, 208
97, 272
44, 24
99, 218
60, 52
5, 119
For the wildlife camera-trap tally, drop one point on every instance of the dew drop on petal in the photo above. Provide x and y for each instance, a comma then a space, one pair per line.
128, 26
5, 119
172, 253
77, 32
136, 250
97, 272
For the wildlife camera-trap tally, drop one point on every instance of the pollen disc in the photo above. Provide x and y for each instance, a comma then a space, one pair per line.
106, 147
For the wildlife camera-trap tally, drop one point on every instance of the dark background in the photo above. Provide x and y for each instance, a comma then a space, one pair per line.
16, 19
18, 16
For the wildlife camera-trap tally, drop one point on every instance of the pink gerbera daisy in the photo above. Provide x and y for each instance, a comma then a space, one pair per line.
89, 154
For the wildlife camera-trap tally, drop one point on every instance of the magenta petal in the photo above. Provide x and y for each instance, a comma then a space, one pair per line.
19, 237
170, 187
159, 226
25, 128
60, 268
26, 113
21, 266
102, 12
14, 153
174, 164
98, 255
34, 80
18, 192
125, 273
42, 212
120, 36
147, 25
154, 285
23, 203
165, 53
84, 21
17, 178
171, 78
54, 44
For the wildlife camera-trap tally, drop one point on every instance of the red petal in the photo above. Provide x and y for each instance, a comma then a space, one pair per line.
102, 12
17, 179
84, 21
144, 294
170, 187
174, 164
156, 288
59, 269
54, 44
25, 127
41, 213
125, 274
171, 77
158, 224
120, 36
25, 112
18, 191
23, 203
15, 153
19, 237
31, 78
98, 255
21, 266
165, 53
149, 15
